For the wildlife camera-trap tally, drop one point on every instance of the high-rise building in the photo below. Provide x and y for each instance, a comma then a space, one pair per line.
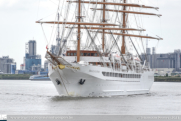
32, 48
31, 59
7, 65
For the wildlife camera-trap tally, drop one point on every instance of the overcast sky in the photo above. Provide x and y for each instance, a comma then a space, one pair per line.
17, 26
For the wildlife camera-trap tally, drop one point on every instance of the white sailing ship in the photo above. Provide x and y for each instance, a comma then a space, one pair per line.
90, 67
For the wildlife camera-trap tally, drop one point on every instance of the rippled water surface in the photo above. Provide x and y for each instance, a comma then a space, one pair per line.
40, 97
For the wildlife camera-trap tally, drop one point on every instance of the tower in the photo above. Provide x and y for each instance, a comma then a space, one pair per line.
32, 47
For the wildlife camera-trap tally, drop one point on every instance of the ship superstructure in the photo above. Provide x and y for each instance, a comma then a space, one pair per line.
103, 69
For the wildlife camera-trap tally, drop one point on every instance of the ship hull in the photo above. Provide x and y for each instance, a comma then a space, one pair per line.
89, 81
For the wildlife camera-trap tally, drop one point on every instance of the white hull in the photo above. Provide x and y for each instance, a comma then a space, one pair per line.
96, 84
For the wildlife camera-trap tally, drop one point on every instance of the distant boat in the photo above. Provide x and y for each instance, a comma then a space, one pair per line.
39, 78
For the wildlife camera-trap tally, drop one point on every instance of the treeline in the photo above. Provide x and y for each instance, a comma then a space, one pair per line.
167, 79
15, 76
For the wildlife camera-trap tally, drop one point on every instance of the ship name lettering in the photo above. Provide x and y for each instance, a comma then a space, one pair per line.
94, 71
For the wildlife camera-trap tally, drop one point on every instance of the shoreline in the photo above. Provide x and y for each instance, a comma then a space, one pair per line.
15, 76
167, 79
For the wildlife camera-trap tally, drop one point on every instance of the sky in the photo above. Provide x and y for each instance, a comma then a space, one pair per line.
17, 26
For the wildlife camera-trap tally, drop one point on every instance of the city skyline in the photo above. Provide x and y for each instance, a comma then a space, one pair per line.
18, 26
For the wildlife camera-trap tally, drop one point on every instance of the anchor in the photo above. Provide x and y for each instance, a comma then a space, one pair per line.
81, 82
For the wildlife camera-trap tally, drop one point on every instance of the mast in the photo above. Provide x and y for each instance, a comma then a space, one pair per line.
79, 32
103, 20
123, 26
104, 25
58, 40
58, 26
58, 32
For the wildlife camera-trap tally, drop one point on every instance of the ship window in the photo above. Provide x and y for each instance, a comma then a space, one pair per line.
92, 54
111, 74
71, 54
107, 74
85, 54
75, 54
68, 54
120, 75
104, 73
95, 54
117, 75
88, 54
82, 54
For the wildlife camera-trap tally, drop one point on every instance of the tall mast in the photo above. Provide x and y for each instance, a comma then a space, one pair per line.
58, 26
103, 20
79, 32
58, 41
58, 32
124, 26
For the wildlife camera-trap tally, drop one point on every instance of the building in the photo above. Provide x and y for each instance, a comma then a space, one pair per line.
46, 66
160, 62
7, 65
36, 67
25, 72
22, 67
13, 68
32, 48
31, 59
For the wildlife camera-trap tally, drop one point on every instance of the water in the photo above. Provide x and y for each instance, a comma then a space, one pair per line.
40, 97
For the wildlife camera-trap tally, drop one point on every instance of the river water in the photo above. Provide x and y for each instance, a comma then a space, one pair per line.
21, 97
